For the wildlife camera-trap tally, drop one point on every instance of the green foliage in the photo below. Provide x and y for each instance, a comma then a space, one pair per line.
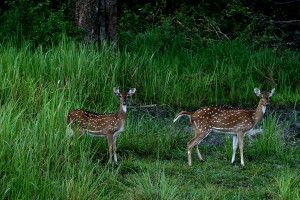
43, 22
153, 184
39, 85
288, 185
223, 73
270, 143
173, 60
195, 24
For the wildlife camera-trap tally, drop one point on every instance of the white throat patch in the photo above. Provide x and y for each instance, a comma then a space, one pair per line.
124, 108
263, 109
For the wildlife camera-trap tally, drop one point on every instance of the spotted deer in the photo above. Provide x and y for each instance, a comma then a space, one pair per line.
108, 125
225, 120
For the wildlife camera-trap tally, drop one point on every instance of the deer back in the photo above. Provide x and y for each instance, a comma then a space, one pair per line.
220, 117
94, 122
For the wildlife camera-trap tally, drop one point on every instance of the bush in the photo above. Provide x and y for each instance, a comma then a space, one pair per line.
42, 22
198, 23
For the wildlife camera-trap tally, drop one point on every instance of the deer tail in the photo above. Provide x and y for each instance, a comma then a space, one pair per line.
183, 113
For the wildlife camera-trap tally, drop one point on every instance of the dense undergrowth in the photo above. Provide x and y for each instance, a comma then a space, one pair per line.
38, 86
164, 73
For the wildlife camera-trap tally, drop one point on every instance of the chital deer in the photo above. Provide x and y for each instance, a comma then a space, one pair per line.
101, 125
225, 120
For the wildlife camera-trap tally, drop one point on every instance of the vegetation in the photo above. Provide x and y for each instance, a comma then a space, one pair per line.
40, 85
178, 56
45, 22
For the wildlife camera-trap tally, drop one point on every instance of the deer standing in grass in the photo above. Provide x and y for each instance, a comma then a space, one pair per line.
101, 125
225, 120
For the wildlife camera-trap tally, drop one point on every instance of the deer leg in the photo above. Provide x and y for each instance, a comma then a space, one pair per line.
198, 153
234, 147
241, 146
81, 132
70, 131
200, 135
110, 146
190, 145
115, 149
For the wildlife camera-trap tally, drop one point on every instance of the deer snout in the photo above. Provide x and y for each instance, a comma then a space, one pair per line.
266, 102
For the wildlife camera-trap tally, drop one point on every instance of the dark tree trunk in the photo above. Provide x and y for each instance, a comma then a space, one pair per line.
98, 18
86, 18
108, 20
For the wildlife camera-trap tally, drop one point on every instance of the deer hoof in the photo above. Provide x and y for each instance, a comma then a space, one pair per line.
242, 166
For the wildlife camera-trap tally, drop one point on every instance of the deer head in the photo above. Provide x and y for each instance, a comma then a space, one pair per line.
264, 97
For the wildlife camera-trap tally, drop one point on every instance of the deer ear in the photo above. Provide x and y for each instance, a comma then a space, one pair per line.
257, 91
131, 91
272, 92
116, 90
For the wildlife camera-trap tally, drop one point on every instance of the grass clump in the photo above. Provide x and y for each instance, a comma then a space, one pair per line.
288, 185
152, 184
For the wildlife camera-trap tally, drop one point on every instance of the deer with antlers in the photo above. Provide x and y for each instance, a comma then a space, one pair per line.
101, 125
225, 120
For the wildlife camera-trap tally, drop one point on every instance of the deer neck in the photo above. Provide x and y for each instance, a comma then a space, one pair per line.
259, 112
123, 111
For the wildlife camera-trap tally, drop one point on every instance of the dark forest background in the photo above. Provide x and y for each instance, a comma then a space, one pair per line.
194, 22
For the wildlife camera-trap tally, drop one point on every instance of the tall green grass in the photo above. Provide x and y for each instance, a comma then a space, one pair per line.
152, 183
223, 73
38, 87
288, 185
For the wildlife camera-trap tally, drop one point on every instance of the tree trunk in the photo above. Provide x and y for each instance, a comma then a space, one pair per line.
86, 18
98, 19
